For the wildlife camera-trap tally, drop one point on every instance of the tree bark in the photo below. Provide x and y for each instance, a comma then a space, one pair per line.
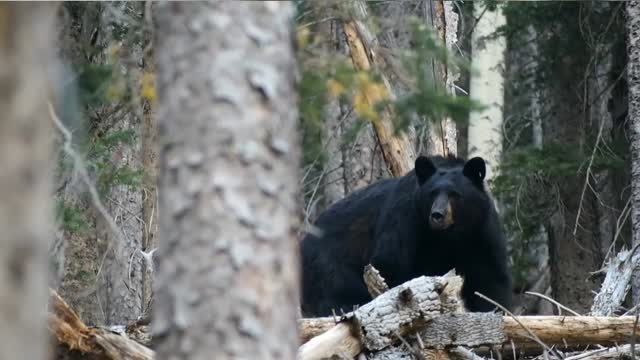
27, 57
149, 193
574, 247
121, 286
227, 284
633, 79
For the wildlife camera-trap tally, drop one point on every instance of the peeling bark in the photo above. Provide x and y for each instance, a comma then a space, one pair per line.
227, 284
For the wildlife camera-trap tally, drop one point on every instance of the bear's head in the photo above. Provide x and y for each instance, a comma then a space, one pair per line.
451, 192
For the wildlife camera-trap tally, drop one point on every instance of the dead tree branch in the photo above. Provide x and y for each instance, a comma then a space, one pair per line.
616, 283
77, 341
396, 149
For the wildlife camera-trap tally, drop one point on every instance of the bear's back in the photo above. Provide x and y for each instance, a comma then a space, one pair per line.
356, 212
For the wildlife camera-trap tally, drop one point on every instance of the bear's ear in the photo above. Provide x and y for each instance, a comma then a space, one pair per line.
424, 169
475, 169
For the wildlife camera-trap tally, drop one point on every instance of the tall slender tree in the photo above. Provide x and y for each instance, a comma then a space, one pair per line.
487, 79
227, 283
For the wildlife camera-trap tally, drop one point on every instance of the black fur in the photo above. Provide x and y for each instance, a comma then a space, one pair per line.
387, 224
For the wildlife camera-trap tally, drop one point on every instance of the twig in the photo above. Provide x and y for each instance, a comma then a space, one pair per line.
552, 301
79, 166
634, 308
515, 318
412, 350
81, 169
467, 354
588, 174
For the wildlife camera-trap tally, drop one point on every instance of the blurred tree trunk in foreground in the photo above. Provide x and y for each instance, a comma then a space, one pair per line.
633, 79
27, 57
227, 283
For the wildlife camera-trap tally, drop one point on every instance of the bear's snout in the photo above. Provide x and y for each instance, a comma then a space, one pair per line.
441, 216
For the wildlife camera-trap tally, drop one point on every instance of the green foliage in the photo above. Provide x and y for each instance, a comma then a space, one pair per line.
529, 180
94, 81
100, 162
71, 217
363, 95
312, 90
427, 101
104, 88
568, 38
526, 183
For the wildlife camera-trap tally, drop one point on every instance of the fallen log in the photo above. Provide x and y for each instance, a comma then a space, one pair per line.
478, 329
382, 322
437, 330
75, 340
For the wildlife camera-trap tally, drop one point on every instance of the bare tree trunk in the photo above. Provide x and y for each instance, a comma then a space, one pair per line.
538, 250
442, 136
27, 57
121, 286
602, 123
334, 181
633, 79
103, 270
485, 127
149, 196
574, 248
227, 283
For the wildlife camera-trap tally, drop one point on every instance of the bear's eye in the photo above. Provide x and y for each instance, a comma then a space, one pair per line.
454, 194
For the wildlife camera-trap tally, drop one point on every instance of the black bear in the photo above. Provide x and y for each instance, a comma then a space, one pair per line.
435, 218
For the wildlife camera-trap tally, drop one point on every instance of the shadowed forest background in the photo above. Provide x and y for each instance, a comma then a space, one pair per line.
349, 92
